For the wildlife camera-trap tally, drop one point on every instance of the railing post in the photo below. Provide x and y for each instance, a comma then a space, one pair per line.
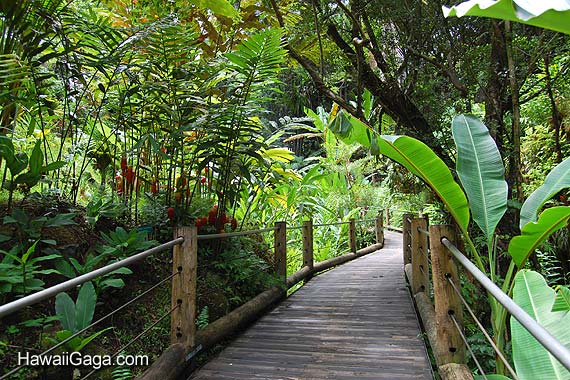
308, 244
450, 347
352, 235
380, 227
280, 250
407, 238
185, 262
420, 268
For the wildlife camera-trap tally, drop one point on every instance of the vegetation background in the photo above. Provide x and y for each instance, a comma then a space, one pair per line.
122, 119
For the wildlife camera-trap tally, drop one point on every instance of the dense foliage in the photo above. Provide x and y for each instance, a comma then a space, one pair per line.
122, 119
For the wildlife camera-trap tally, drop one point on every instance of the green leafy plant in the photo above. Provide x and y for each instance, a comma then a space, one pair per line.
481, 172
19, 274
73, 268
203, 318
101, 208
17, 162
122, 373
558, 179
562, 301
75, 316
532, 361
121, 243
20, 266
551, 14
29, 229
233, 143
534, 233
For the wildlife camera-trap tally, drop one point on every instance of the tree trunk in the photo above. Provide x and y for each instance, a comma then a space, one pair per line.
515, 172
556, 122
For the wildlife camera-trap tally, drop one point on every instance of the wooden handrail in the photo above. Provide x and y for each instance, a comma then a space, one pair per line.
186, 342
440, 317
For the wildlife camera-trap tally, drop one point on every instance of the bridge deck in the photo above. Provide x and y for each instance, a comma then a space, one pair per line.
353, 322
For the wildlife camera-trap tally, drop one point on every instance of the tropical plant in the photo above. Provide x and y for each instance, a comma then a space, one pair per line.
19, 274
101, 208
480, 170
26, 230
73, 268
18, 162
550, 14
121, 244
232, 131
21, 270
122, 373
75, 316
531, 359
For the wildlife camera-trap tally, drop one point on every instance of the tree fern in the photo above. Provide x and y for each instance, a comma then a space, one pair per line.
233, 129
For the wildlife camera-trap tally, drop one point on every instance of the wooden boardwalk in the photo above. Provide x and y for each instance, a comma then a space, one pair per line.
353, 322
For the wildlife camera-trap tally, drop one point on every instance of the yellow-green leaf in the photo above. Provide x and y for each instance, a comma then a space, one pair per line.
534, 233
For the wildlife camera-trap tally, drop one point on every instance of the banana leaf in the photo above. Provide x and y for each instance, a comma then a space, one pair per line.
562, 301
418, 158
534, 233
481, 171
556, 180
549, 14
532, 361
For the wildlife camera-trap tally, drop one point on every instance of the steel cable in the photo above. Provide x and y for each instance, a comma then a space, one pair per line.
135, 339
480, 325
17, 369
468, 345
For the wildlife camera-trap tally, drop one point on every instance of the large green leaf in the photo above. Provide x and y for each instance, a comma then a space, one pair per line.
65, 310
556, 180
37, 158
549, 14
532, 361
481, 171
85, 306
421, 161
534, 233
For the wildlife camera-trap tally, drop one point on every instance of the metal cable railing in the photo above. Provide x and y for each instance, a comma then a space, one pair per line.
464, 339
426, 254
550, 343
98, 321
483, 330
137, 338
43, 295
234, 234
329, 224
73, 283
422, 231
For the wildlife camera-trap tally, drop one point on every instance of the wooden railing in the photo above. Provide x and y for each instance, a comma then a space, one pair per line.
423, 250
186, 342
438, 247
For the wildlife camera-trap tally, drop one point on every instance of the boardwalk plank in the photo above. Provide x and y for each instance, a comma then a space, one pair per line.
353, 322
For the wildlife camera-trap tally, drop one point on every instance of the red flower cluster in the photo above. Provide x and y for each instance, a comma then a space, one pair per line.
214, 220
126, 179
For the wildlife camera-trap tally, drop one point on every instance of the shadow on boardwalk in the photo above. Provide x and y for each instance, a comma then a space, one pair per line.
353, 322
